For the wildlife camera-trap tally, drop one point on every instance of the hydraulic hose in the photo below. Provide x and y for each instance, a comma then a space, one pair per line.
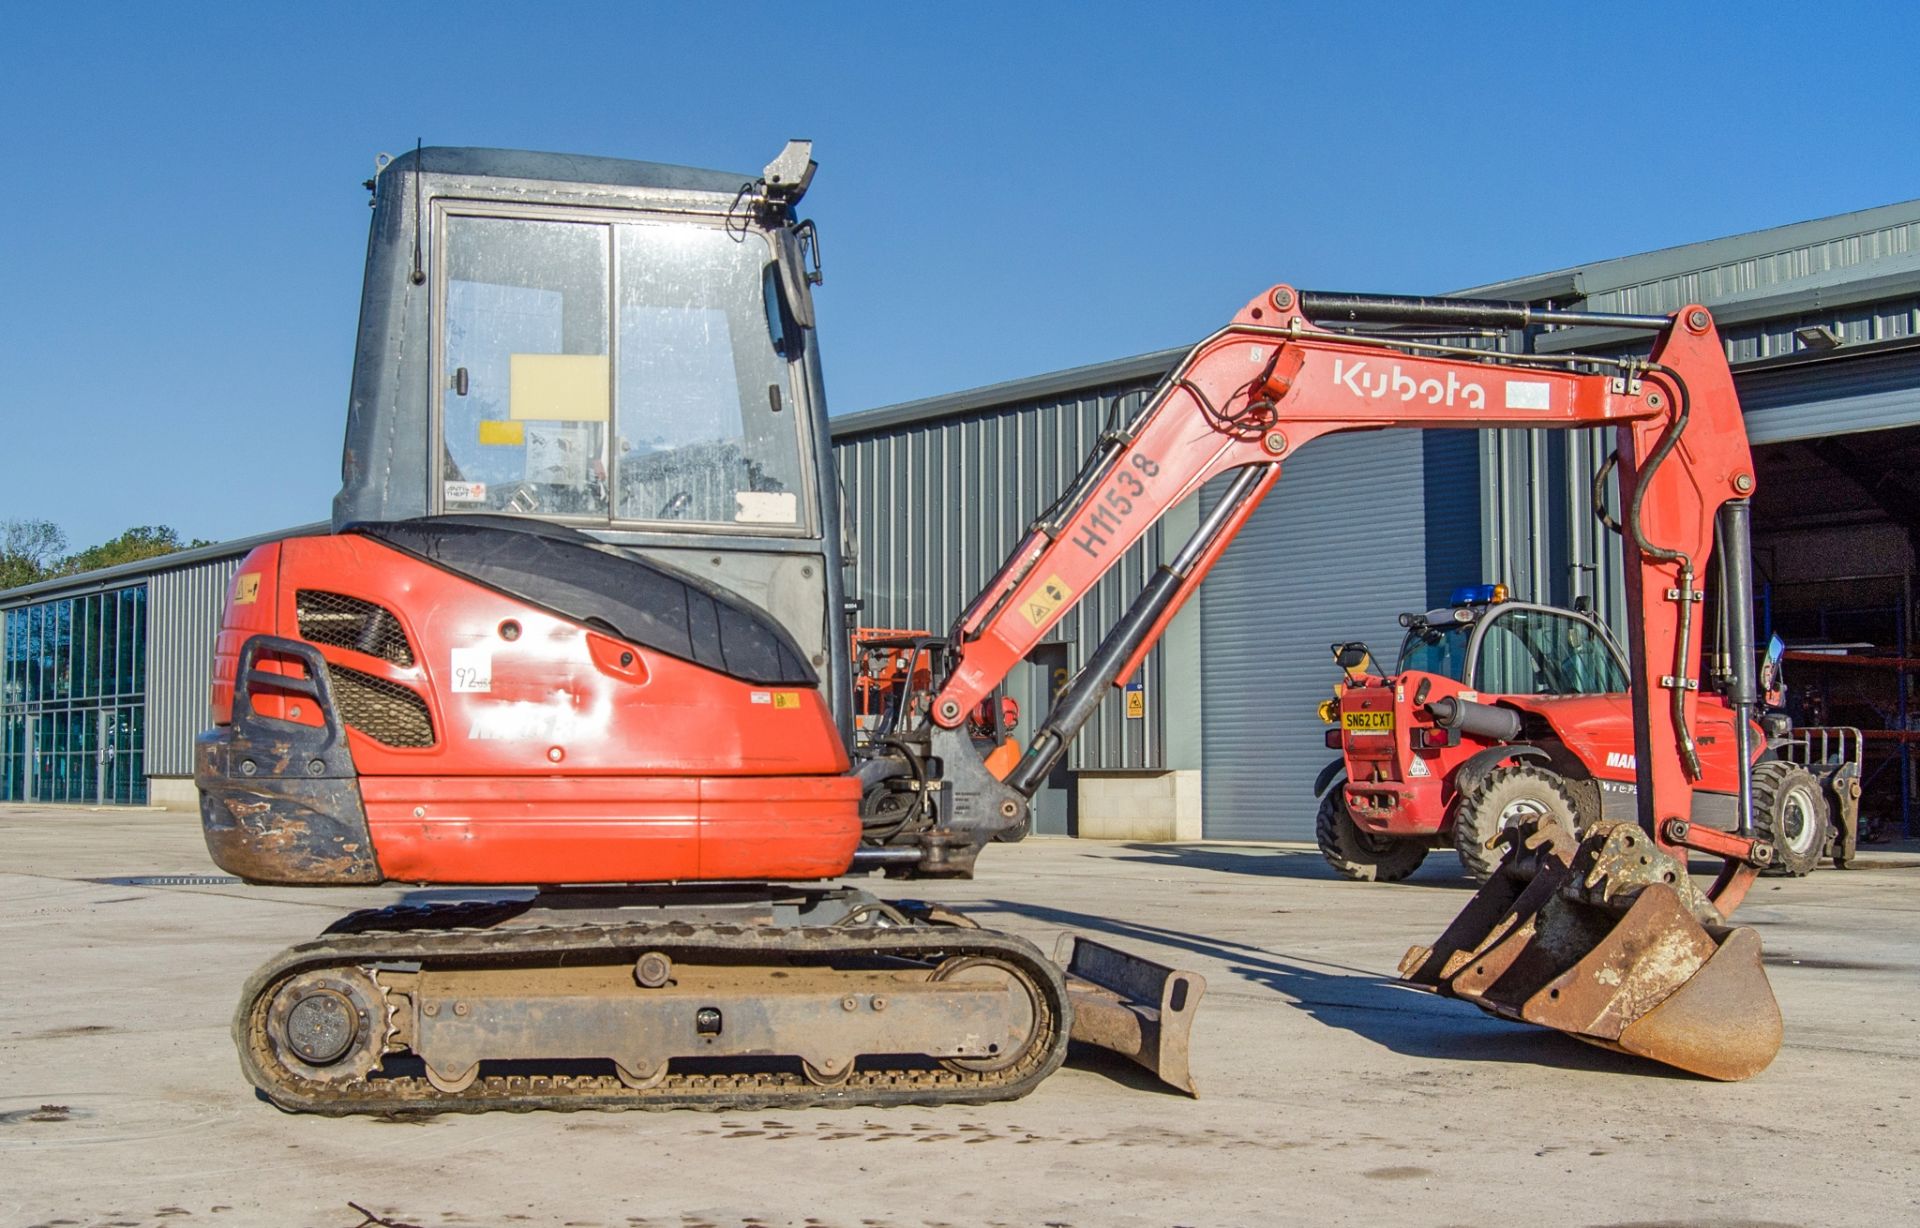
1683, 408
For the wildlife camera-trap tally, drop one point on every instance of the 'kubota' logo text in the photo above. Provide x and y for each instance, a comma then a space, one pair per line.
1398, 384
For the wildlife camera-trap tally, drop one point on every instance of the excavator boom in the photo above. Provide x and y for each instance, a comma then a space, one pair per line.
1271, 382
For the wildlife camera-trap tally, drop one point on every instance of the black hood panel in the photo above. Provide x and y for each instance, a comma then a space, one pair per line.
577, 577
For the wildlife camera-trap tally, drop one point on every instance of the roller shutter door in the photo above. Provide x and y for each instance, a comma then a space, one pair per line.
1872, 392
1336, 552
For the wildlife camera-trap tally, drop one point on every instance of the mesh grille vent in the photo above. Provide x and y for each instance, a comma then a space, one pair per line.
349, 622
385, 711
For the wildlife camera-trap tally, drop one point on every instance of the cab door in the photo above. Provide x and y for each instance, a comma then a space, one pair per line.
525, 392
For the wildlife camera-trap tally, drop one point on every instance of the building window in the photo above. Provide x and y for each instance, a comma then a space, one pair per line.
73, 700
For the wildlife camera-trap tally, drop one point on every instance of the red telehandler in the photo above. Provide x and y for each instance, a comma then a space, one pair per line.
1498, 710
579, 627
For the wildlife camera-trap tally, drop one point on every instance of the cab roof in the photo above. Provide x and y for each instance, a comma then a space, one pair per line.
566, 168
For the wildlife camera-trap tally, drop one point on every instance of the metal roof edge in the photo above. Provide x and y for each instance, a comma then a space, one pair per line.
109, 577
1802, 300
1617, 272
1030, 388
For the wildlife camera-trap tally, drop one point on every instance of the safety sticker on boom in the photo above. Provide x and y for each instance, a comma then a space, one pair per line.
1044, 600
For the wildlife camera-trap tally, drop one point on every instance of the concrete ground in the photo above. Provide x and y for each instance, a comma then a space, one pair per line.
1330, 1094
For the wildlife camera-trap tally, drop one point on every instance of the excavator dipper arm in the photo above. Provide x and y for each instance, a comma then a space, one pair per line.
1637, 957
1270, 383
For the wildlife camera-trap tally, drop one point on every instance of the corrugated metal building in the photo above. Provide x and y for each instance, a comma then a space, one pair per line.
103, 680
1823, 324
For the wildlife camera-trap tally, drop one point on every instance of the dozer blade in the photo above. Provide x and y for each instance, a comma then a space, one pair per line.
1608, 939
1132, 1006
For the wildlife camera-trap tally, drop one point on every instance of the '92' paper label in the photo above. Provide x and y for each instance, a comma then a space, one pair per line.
472, 669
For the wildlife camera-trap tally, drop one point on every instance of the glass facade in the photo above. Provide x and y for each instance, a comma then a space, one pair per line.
73, 700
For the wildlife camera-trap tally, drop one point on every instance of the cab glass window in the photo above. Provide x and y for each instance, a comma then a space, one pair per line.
1541, 652
621, 371
706, 420
1440, 649
526, 403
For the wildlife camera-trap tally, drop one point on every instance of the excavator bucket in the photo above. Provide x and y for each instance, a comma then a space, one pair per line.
1607, 939
1132, 1006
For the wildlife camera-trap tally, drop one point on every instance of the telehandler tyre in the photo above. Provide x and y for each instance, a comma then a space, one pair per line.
1506, 796
1360, 855
1790, 811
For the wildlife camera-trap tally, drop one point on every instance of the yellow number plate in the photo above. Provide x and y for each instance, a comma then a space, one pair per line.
1367, 722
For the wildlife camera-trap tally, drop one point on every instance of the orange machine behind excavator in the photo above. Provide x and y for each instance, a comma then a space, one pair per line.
577, 661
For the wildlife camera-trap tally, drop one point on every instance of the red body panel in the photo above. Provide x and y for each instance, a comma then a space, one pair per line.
481, 829
1598, 729
571, 756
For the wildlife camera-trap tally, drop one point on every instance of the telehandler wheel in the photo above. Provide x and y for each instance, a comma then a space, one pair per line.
1508, 795
1790, 810
1360, 855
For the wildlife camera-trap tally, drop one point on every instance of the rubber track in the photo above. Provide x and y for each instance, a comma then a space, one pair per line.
414, 939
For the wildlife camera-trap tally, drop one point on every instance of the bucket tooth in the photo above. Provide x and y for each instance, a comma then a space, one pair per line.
1132, 1006
1609, 941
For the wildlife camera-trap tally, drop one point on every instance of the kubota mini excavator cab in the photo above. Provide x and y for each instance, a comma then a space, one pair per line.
579, 626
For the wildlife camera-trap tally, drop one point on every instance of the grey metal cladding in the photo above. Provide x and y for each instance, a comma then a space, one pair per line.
1829, 251
183, 620
1855, 324
937, 501
1844, 395
1336, 552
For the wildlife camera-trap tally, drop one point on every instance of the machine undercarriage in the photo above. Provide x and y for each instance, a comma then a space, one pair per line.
671, 999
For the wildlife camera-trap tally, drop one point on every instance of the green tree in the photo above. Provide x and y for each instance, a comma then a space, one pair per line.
29, 551
140, 542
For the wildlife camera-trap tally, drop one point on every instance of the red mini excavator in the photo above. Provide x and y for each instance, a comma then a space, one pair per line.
578, 627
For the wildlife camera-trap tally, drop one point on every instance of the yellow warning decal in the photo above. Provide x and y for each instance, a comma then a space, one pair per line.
246, 588
508, 434
1043, 601
786, 699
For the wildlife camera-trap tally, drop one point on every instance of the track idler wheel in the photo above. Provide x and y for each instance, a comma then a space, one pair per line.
328, 1026
1023, 1011
1607, 939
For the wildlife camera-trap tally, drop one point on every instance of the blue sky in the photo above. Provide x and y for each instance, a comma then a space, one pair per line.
1005, 189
